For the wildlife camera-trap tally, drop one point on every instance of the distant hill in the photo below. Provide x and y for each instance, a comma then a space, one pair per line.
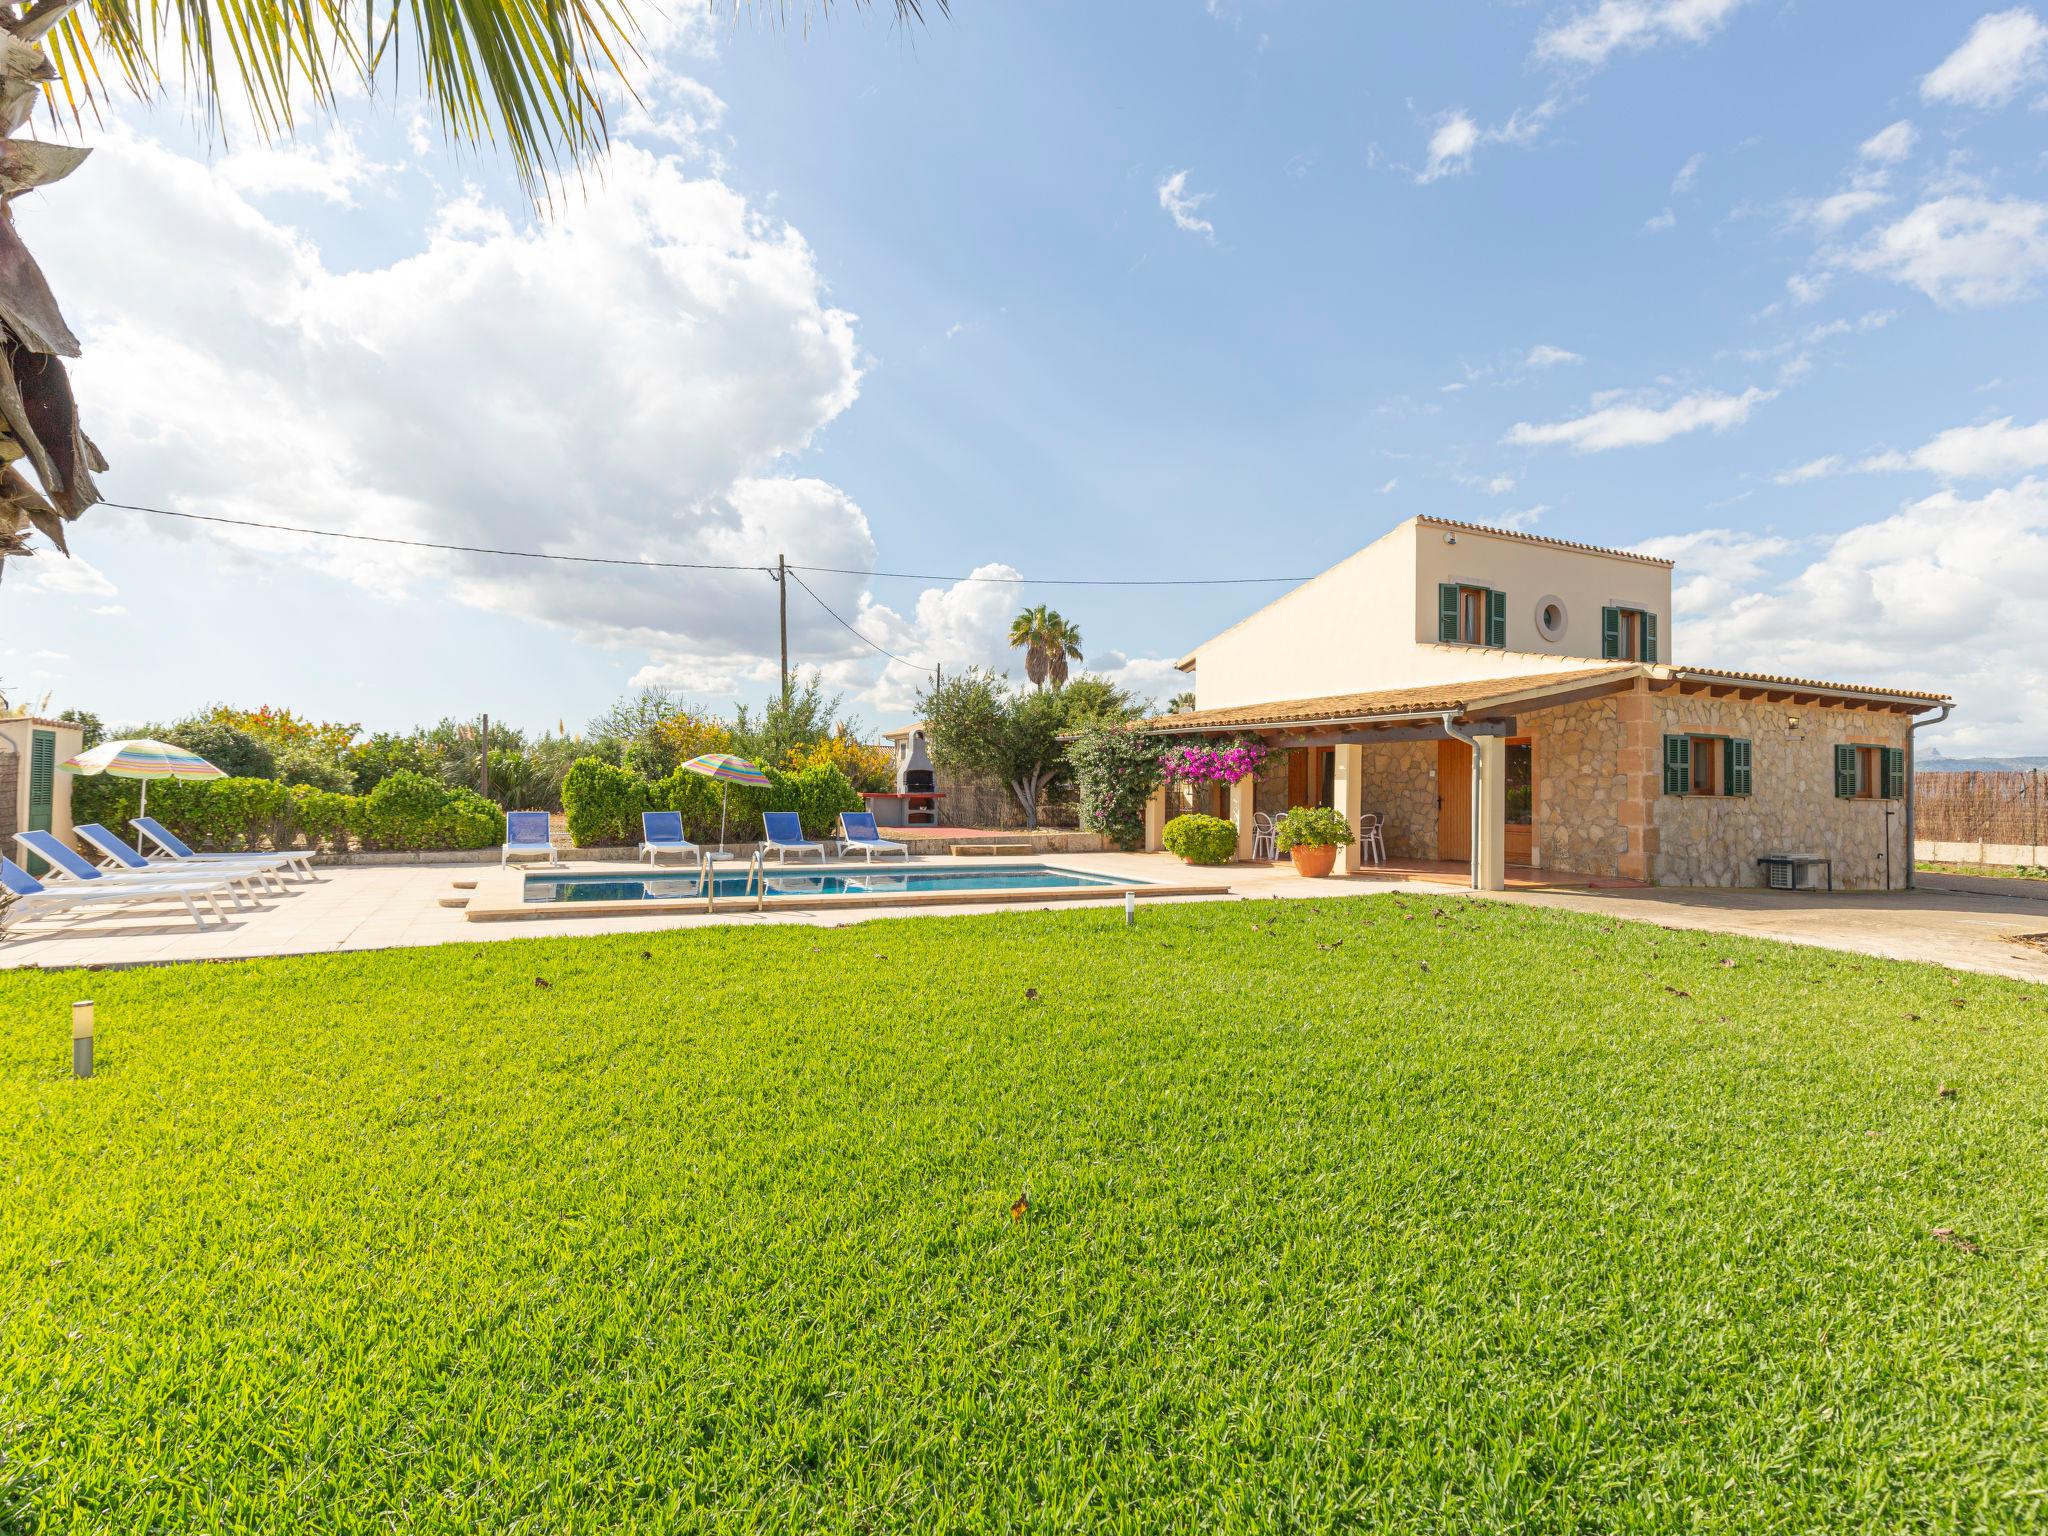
1934, 762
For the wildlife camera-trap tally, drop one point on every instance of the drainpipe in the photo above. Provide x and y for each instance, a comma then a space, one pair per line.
1451, 729
1912, 753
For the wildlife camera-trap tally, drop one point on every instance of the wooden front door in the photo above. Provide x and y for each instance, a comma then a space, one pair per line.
1453, 800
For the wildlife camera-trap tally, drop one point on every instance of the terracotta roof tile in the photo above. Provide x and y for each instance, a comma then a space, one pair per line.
1809, 682
1431, 698
1539, 538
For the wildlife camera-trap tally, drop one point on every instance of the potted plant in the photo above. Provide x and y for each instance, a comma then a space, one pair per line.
1201, 839
1310, 835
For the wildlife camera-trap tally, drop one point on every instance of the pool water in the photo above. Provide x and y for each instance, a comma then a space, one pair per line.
681, 885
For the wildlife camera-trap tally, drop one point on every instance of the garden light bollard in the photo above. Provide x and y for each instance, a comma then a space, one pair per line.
1130, 909
81, 1039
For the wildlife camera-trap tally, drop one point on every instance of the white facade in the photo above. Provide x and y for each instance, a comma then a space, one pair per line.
1371, 621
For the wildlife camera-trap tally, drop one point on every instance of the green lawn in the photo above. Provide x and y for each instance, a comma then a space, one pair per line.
2003, 871
1375, 1213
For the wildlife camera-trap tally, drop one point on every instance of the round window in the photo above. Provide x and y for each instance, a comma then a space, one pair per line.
1550, 618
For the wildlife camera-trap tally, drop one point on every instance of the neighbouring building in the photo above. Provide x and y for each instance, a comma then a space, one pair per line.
34, 796
1507, 699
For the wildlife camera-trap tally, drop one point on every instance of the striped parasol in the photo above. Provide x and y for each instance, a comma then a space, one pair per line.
728, 770
141, 758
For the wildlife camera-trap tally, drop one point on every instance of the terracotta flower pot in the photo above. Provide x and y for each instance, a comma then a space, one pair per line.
1313, 861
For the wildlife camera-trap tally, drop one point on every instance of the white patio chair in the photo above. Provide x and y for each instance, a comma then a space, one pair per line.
1372, 840
1265, 836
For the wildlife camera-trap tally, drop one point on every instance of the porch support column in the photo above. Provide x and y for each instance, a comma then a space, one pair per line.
1244, 797
1155, 820
1348, 798
1489, 847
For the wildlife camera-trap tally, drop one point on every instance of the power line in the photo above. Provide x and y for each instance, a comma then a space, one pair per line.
914, 665
711, 565
461, 549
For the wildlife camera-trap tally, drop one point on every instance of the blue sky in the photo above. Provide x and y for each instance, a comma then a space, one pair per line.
1067, 290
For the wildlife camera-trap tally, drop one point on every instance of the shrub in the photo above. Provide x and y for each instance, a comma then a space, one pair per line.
696, 799
323, 817
234, 751
403, 811
1116, 771
1201, 839
603, 803
817, 794
299, 764
467, 820
1313, 826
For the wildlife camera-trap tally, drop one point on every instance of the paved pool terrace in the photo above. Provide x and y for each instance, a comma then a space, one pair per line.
1979, 925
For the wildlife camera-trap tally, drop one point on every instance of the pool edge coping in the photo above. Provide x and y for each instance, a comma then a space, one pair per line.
500, 896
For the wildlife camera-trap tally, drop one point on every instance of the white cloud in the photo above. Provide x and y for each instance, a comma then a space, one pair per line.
1888, 146
1943, 595
1961, 251
1713, 566
76, 577
1807, 288
1812, 469
1986, 452
2004, 53
1457, 137
1389, 488
1636, 426
1590, 38
630, 378
1688, 173
1543, 355
333, 170
1514, 522
1657, 223
1184, 207
1451, 147
1831, 213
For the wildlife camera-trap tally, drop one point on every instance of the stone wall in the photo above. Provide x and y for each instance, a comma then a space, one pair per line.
1601, 810
1398, 783
1575, 823
1792, 806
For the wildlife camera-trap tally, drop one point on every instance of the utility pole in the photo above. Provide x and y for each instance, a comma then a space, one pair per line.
782, 592
487, 756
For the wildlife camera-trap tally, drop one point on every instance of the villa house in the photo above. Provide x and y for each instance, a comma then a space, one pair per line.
1509, 700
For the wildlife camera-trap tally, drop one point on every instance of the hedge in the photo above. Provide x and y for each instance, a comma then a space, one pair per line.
603, 803
1201, 839
406, 810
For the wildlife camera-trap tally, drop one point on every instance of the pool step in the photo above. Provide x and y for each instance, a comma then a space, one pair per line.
993, 850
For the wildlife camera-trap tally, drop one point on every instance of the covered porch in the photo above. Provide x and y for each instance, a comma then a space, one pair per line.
1452, 780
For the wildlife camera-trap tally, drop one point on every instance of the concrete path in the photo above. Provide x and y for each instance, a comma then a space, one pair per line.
1954, 920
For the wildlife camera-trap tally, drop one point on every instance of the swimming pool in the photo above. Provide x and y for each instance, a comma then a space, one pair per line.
732, 884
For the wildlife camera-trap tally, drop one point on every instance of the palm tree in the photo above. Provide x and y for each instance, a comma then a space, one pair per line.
1029, 633
521, 75
1062, 645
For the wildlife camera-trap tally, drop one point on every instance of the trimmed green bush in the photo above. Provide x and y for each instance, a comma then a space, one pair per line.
1201, 839
603, 804
817, 794
468, 820
322, 816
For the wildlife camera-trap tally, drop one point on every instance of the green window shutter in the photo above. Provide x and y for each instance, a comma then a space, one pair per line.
1845, 772
1610, 633
1649, 636
1895, 773
1447, 611
1735, 765
1677, 765
1497, 618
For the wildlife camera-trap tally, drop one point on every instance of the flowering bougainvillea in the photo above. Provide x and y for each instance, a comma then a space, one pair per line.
1211, 762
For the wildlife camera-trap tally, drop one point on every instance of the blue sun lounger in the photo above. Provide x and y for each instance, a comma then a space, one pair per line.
782, 833
32, 898
176, 855
857, 830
